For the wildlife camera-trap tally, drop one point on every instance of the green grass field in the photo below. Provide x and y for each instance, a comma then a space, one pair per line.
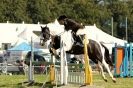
121, 82
16, 81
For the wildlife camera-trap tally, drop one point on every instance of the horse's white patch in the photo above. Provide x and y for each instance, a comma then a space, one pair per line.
57, 29
67, 39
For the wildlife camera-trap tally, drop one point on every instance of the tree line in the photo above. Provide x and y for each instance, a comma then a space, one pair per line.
88, 12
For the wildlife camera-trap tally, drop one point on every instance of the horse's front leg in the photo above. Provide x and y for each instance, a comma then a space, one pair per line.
101, 71
54, 52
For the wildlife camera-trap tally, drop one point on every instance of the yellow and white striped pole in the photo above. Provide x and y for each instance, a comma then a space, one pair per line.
88, 70
52, 70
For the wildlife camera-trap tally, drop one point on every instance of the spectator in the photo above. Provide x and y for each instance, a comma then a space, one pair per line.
20, 66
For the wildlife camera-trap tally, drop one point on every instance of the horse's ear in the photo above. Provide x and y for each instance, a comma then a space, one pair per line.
41, 28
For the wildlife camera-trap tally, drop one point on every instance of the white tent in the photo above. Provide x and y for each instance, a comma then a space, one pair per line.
19, 41
26, 34
8, 34
96, 34
11, 32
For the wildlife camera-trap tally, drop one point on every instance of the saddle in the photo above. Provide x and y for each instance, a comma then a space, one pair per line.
78, 39
78, 43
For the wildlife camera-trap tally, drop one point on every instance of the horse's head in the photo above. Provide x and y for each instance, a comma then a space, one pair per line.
55, 40
45, 35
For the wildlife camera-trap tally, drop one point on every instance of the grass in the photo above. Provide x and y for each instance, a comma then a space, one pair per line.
120, 82
16, 81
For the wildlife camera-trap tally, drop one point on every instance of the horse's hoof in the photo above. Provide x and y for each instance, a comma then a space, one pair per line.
114, 81
105, 80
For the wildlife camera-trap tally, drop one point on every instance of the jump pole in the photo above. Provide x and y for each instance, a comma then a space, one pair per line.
63, 65
131, 59
52, 70
30, 69
88, 70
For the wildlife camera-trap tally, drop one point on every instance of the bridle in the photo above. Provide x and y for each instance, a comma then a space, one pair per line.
45, 35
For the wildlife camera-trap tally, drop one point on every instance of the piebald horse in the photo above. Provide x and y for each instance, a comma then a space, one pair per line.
97, 52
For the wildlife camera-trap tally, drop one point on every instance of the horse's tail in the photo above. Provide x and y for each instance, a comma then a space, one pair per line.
108, 59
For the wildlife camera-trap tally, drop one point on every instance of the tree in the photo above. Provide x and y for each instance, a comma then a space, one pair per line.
119, 13
14, 11
88, 12
43, 11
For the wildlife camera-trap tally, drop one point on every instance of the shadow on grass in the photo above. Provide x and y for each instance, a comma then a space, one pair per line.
37, 84
11, 86
3, 86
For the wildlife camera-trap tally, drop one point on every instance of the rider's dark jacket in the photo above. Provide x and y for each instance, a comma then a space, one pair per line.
72, 25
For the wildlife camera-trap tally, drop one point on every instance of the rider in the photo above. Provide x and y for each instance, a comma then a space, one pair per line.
69, 23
